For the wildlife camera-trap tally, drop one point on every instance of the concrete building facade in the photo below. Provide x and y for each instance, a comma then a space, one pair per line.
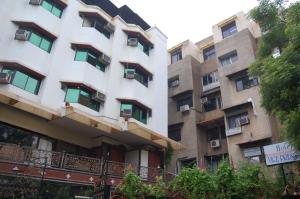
81, 78
214, 104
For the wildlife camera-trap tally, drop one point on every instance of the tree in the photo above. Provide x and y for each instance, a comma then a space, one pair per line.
280, 77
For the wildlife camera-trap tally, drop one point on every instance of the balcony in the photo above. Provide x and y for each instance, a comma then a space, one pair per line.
63, 166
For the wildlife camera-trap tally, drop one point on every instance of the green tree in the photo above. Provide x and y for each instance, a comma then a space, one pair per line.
132, 186
280, 77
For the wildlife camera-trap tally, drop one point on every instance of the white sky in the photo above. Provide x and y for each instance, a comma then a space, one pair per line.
187, 19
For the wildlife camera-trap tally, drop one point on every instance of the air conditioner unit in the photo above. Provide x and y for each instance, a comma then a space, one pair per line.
126, 113
203, 100
244, 121
35, 2
215, 143
99, 97
105, 59
174, 83
184, 108
4, 78
132, 42
22, 35
109, 27
129, 73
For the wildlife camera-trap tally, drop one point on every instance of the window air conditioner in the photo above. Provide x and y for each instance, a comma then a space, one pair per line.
4, 78
22, 35
35, 2
126, 113
244, 121
105, 59
129, 73
215, 143
132, 42
99, 97
109, 27
203, 100
184, 108
174, 83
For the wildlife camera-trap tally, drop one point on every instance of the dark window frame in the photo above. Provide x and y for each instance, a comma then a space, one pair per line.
54, 5
233, 120
146, 48
98, 25
228, 58
143, 113
89, 59
209, 53
177, 54
184, 100
139, 76
210, 78
246, 83
228, 29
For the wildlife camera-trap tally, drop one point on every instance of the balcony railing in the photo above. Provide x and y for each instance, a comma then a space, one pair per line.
50, 159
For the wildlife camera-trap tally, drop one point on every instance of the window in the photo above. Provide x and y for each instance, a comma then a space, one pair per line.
141, 45
210, 78
138, 113
81, 96
90, 57
187, 100
176, 56
216, 133
212, 103
55, 9
228, 59
246, 82
139, 75
190, 163
229, 29
175, 134
209, 52
173, 82
40, 41
97, 24
23, 80
234, 121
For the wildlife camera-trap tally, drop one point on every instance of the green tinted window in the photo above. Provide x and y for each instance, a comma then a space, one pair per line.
56, 11
45, 45
20, 80
126, 106
32, 85
84, 93
100, 66
81, 55
137, 113
72, 95
140, 46
47, 5
35, 39
7, 71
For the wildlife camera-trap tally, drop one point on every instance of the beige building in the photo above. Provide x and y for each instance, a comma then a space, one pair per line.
214, 104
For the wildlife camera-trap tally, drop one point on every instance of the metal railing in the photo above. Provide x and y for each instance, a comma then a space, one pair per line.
52, 159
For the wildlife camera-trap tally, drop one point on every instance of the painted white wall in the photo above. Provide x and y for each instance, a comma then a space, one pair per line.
59, 64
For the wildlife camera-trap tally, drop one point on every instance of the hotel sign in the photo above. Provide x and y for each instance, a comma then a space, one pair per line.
280, 153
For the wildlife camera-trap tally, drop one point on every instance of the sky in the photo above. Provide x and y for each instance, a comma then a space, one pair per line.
186, 19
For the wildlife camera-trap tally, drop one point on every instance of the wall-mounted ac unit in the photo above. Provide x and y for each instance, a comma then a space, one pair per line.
184, 108
99, 97
105, 59
126, 113
244, 121
174, 83
109, 27
129, 73
132, 42
35, 2
215, 143
4, 78
203, 100
22, 35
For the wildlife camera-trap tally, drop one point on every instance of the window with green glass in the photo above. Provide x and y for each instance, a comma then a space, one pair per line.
40, 41
55, 9
90, 57
137, 112
139, 75
23, 80
81, 96
141, 45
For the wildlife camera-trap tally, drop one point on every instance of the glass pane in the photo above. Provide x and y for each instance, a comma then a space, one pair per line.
100, 66
7, 71
72, 95
56, 11
84, 93
91, 59
239, 85
45, 45
32, 85
140, 46
80, 55
20, 79
47, 5
35, 39
126, 106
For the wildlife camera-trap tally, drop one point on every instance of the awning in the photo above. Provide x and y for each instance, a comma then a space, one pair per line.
135, 102
75, 46
80, 85
137, 66
15, 65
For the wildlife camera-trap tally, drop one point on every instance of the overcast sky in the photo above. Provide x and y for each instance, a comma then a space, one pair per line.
187, 19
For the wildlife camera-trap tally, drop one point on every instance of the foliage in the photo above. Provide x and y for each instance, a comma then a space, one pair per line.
193, 183
132, 186
169, 154
280, 82
158, 190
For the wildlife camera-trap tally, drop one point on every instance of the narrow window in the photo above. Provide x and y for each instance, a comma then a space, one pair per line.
209, 52
55, 9
229, 29
176, 56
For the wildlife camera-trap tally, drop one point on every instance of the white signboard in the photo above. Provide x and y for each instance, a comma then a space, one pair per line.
280, 153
